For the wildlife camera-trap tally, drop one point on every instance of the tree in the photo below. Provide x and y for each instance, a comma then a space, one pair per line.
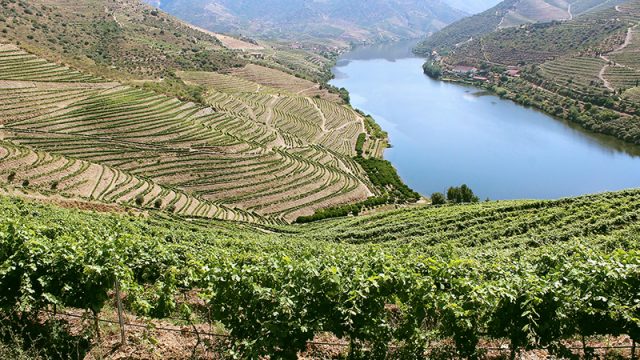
432, 70
139, 200
462, 194
467, 194
438, 198
454, 195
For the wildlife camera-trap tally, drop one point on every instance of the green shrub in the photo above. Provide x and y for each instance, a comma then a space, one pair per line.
384, 177
438, 199
345, 210
432, 69
360, 143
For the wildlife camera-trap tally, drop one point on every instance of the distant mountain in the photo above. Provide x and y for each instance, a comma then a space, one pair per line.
510, 13
348, 21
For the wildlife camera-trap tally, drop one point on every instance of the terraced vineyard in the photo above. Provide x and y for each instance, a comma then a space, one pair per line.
18, 65
51, 173
257, 154
295, 119
277, 79
581, 73
633, 94
622, 77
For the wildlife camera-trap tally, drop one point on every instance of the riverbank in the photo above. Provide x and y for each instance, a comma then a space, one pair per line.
446, 134
524, 91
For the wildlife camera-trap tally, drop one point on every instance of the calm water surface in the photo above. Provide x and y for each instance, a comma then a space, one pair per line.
446, 134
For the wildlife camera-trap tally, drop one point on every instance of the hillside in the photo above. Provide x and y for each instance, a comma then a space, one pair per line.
253, 152
169, 191
318, 22
584, 70
509, 13
601, 31
453, 280
210, 125
127, 40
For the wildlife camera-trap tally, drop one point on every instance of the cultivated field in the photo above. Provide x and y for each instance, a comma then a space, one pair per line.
579, 73
633, 94
280, 80
256, 154
509, 277
296, 119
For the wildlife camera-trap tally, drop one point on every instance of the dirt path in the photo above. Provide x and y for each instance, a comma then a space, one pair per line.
602, 72
346, 125
484, 54
464, 42
279, 141
627, 41
301, 92
117, 22
269, 106
323, 126
113, 15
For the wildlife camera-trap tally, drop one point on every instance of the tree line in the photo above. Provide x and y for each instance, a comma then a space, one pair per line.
455, 195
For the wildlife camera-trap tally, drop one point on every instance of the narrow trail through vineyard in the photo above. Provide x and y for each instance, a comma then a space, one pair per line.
609, 63
602, 72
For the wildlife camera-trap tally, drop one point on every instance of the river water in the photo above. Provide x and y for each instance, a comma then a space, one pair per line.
446, 134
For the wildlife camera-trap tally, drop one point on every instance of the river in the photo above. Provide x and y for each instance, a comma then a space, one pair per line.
445, 134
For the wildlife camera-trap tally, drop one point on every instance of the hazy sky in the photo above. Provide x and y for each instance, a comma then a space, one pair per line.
473, 6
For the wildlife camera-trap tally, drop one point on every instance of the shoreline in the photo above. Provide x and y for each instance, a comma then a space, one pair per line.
513, 96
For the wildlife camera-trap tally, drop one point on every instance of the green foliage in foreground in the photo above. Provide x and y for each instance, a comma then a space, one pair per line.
534, 272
